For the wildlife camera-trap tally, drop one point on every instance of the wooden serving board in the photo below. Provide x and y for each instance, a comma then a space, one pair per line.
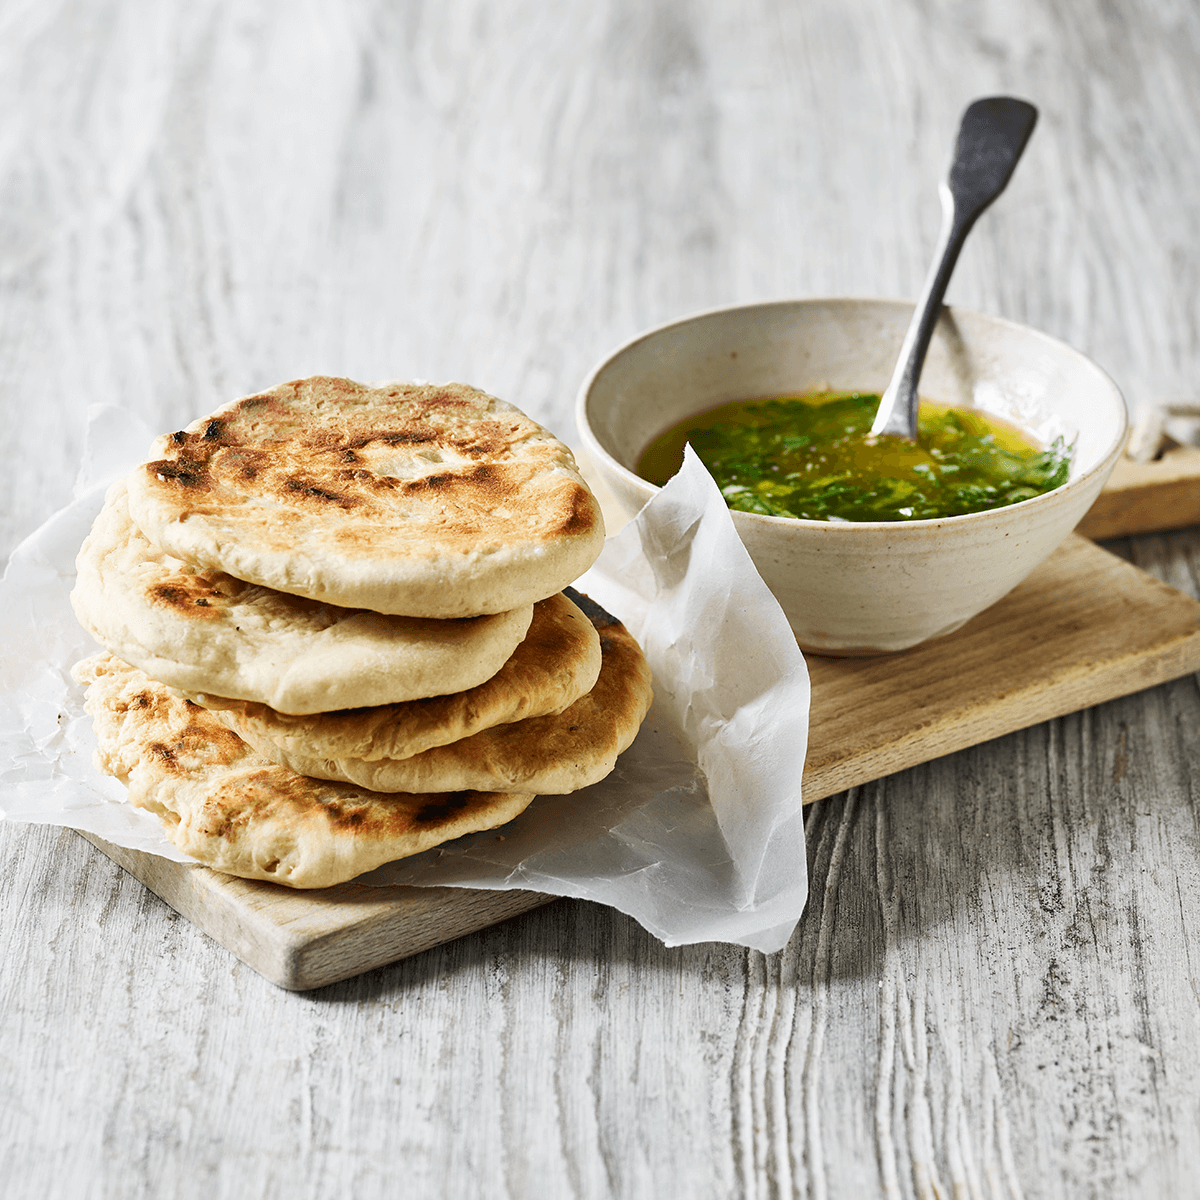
1084, 628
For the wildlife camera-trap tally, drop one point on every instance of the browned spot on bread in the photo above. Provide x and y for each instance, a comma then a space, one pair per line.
244, 461
344, 816
351, 816
186, 594
439, 807
445, 400
481, 482
367, 477
414, 437
224, 815
164, 753
318, 438
307, 488
185, 471
582, 517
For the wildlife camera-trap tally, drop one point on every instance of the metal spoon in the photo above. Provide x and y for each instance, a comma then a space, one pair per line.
990, 140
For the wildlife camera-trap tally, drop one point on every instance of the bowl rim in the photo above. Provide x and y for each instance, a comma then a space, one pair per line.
1103, 463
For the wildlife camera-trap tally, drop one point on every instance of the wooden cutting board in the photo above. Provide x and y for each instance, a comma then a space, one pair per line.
1084, 628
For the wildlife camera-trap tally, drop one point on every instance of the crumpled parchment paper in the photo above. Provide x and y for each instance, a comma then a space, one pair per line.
698, 834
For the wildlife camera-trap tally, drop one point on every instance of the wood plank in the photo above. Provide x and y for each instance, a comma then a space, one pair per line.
1147, 497
1084, 628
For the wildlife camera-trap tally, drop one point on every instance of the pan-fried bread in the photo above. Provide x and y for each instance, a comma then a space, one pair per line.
556, 664
204, 631
227, 807
418, 499
551, 755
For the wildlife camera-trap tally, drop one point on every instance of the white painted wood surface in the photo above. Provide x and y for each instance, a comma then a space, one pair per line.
994, 990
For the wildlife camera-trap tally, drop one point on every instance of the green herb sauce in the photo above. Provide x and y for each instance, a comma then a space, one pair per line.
812, 456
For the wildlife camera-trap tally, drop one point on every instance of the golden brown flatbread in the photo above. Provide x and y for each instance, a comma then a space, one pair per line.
231, 809
418, 499
551, 755
556, 664
204, 631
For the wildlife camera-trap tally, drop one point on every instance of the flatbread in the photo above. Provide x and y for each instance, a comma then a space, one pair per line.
551, 755
204, 631
227, 807
419, 499
556, 664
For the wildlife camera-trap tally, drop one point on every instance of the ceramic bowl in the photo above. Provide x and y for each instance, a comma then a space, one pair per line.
866, 587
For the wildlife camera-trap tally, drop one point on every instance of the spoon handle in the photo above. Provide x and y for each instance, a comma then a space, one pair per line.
993, 133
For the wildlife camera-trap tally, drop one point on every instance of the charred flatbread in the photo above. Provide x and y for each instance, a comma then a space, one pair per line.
557, 663
205, 631
229, 808
417, 499
551, 755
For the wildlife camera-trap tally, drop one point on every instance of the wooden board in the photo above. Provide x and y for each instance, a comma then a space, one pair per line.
1084, 628
1148, 497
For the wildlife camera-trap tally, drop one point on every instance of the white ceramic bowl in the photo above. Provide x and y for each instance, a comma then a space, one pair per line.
866, 587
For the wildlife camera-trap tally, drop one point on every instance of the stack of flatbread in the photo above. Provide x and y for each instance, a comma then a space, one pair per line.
337, 628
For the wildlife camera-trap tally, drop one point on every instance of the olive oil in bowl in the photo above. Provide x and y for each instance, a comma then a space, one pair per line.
811, 456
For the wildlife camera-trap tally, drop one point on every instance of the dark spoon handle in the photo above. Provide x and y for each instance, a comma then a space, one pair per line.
993, 133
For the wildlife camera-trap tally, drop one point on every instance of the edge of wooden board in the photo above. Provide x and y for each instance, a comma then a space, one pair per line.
301, 940
1147, 497
1085, 627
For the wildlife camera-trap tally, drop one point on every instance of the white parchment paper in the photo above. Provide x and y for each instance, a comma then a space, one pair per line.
698, 834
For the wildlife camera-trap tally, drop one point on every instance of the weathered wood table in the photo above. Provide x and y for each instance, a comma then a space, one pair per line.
992, 992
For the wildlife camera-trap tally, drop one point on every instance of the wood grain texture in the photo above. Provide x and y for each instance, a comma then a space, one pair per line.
1148, 497
994, 989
